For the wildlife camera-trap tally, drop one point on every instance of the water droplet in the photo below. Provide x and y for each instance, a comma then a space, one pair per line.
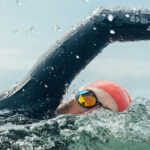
110, 17
23, 90
134, 8
74, 28
66, 84
6, 92
16, 32
112, 32
94, 13
57, 28
18, 2
77, 57
148, 29
46, 86
52, 68
47, 99
94, 28
127, 15
32, 29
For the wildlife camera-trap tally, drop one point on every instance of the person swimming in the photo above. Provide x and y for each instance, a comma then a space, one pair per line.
41, 91
98, 94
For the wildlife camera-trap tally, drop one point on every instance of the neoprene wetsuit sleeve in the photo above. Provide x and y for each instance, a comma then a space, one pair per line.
42, 89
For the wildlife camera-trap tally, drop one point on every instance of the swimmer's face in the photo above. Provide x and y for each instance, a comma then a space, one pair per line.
72, 106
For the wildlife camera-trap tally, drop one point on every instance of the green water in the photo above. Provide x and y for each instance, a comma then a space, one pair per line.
100, 130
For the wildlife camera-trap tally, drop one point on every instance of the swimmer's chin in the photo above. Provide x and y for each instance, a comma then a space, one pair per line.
73, 107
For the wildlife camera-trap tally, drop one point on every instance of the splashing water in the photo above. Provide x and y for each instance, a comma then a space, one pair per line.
57, 28
148, 29
46, 86
16, 32
110, 17
127, 15
94, 28
112, 32
32, 29
77, 57
101, 129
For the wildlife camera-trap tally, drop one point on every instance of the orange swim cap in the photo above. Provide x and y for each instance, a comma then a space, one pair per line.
118, 93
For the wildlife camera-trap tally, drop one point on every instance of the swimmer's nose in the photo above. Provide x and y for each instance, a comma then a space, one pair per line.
63, 108
66, 105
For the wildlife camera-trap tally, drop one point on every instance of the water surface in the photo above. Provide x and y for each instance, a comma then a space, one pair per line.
100, 130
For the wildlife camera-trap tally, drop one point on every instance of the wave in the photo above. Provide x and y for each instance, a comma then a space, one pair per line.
100, 130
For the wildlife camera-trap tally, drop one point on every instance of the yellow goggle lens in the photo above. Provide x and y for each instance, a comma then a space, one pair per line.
86, 98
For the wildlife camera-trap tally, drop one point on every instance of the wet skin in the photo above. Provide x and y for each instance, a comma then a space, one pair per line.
72, 106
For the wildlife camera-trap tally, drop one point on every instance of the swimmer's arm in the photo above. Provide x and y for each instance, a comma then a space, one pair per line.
44, 86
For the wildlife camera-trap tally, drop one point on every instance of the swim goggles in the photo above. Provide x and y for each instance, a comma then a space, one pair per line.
87, 99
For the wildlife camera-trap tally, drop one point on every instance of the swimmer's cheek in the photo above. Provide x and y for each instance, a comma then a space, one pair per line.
73, 107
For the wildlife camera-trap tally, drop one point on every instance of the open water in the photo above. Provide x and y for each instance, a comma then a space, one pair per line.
100, 130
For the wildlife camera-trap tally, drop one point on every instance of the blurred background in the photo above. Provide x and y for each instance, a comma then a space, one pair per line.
29, 27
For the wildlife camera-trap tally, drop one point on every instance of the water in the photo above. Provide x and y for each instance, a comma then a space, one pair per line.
112, 32
110, 17
57, 28
100, 130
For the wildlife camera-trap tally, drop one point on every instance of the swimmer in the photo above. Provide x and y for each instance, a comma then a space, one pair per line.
42, 89
98, 94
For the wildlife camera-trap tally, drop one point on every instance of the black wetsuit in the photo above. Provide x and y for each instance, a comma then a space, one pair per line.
40, 92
